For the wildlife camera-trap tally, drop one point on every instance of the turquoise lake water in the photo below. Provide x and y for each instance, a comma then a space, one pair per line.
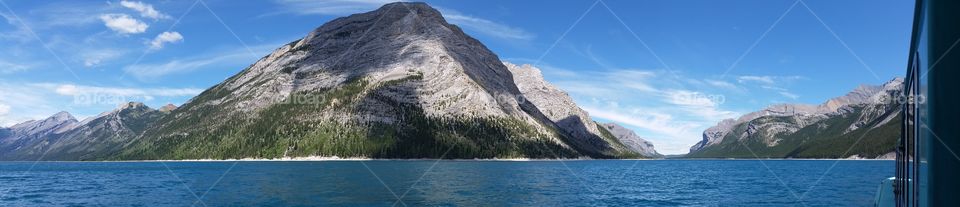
444, 183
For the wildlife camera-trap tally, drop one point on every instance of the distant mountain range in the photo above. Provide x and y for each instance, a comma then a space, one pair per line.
401, 82
864, 123
62, 137
397, 82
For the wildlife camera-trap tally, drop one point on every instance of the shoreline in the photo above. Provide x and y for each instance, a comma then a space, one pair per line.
797, 159
335, 159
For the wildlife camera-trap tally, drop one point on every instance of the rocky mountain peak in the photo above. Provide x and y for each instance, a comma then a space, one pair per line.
61, 121
92, 138
132, 105
558, 107
894, 83
861, 94
390, 20
629, 137
804, 114
401, 71
399, 41
168, 108
399, 35
528, 76
61, 117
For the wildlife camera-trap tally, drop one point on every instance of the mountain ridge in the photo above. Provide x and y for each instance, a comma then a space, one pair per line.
396, 82
873, 106
91, 139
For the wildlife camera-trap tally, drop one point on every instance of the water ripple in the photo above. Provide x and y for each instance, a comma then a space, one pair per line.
470, 183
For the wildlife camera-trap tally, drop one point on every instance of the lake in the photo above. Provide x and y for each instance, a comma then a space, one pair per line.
447, 182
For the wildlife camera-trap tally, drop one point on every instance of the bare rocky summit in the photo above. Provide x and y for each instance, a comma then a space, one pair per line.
397, 82
873, 107
24, 135
167, 108
61, 137
632, 140
561, 109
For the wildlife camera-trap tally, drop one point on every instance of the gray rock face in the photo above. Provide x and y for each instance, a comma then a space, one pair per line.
557, 105
94, 138
381, 68
629, 138
24, 134
396, 42
56, 123
167, 108
4, 133
797, 116
400, 75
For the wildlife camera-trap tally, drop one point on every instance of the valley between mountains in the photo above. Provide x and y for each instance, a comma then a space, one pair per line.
401, 82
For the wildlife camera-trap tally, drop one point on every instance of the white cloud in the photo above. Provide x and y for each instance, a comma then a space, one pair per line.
345, 7
123, 24
553, 71
25, 102
486, 27
90, 62
773, 83
9, 67
330, 7
58, 16
781, 90
4, 109
148, 72
758, 79
19, 33
789, 95
76, 90
152, 71
32, 101
669, 134
146, 10
767, 80
165, 37
665, 107
662, 124
634, 79
721, 84
773, 88
50, 21
586, 87
95, 57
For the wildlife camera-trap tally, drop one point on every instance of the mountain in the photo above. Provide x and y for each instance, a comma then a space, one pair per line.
827, 130
167, 108
631, 140
397, 82
92, 139
561, 109
21, 136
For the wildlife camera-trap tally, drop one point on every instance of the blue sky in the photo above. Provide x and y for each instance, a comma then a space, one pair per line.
667, 69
